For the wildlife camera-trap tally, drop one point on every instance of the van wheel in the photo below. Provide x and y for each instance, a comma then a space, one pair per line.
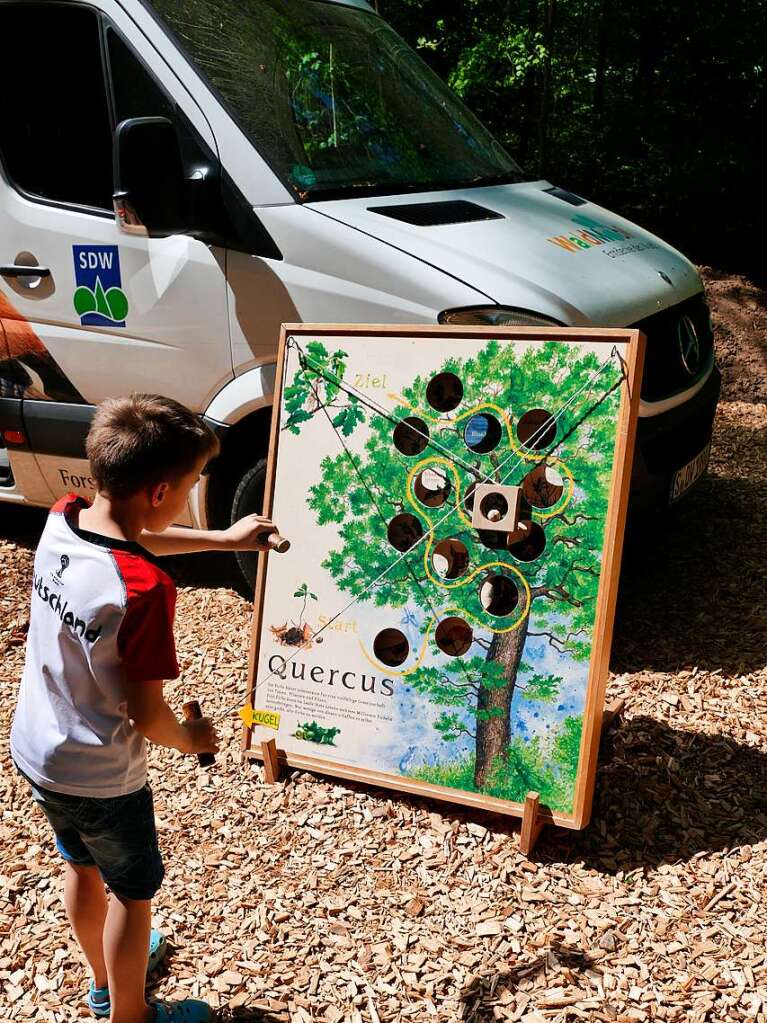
249, 500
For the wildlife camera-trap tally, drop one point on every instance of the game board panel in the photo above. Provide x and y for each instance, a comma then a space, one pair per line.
455, 501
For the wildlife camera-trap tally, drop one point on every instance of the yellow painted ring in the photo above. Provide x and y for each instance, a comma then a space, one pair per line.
523, 612
562, 503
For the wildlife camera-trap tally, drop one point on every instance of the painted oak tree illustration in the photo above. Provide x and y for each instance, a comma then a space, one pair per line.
370, 481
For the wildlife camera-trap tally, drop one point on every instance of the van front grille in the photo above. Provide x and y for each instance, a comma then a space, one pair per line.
680, 343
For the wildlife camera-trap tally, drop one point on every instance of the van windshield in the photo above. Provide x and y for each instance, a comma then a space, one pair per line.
333, 99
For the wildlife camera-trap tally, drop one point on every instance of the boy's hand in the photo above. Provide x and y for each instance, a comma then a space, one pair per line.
249, 533
201, 736
152, 716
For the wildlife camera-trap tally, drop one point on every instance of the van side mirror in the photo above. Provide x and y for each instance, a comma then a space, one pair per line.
150, 196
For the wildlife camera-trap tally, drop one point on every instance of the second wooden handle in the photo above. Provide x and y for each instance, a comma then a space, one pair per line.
278, 543
193, 712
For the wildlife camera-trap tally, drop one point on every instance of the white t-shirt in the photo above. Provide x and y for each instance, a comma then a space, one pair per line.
102, 614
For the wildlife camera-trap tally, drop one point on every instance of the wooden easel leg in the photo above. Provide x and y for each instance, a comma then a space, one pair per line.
531, 825
610, 713
271, 761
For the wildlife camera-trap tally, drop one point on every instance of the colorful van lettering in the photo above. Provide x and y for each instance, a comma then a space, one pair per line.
592, 233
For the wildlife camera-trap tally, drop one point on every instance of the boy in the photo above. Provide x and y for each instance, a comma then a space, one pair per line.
100, 645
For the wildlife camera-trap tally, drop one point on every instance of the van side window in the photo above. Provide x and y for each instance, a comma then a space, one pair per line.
55, 130
137, 94
226, 215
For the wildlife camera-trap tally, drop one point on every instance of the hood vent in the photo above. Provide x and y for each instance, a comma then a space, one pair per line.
565, 196
432, 214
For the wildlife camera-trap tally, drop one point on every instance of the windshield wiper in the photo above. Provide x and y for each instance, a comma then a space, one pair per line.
509, 178
349, 191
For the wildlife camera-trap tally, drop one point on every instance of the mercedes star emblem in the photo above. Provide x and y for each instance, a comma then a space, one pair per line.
689, 345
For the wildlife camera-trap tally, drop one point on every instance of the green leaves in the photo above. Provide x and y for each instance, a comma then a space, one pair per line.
497, 61
450, 726
542, 687
567, 746
303, 591
349, 417
317, 387
566, 753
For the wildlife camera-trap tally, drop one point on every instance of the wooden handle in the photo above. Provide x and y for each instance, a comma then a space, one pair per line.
277, 543
193, 712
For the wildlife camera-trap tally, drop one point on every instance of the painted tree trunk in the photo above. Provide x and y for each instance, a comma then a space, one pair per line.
493, 732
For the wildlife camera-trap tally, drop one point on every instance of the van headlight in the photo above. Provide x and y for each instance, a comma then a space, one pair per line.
497, 316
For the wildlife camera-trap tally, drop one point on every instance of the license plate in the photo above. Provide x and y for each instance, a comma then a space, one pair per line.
684, 478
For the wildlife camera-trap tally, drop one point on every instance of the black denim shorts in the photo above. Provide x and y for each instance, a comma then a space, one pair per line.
117, 835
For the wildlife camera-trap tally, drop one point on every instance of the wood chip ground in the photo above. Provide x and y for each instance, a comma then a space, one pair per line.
316, 901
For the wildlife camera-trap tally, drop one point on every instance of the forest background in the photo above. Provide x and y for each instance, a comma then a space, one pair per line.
655, 109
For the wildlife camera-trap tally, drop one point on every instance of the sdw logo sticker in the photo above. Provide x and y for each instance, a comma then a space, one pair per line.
99, 299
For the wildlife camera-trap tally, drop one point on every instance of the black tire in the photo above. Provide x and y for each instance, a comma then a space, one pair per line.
249, 500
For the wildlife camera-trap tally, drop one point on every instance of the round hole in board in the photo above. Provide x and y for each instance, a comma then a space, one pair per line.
450, 558
453, 636
391, 647
498, 595
494, 507
432, 487
543, 486
537, 429
482, 433
403, 531
411, 435
494, 539
444, 392
532, 544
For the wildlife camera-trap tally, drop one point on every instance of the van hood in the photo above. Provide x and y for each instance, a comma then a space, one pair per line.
530, 246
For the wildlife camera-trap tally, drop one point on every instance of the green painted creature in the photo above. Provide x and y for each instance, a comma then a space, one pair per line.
316, 733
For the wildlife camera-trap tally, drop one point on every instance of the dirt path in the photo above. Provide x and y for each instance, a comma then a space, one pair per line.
739, 315
315, 901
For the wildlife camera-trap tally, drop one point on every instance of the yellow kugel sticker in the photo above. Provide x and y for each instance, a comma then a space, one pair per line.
267, 718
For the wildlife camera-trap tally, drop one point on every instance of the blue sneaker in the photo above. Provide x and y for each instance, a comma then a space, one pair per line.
98, 997
98, 1000
158, 946
189, 1011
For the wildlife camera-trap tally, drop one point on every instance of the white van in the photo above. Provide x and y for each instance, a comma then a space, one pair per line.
177, 179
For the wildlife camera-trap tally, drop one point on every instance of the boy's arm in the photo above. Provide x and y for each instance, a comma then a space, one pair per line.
247, 534
152, 716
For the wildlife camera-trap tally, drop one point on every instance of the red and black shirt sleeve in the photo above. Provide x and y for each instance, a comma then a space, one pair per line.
145, 640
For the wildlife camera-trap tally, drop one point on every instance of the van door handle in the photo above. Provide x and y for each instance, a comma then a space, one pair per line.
14, 270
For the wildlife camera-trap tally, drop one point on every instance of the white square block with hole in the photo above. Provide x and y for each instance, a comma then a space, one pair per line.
496, 507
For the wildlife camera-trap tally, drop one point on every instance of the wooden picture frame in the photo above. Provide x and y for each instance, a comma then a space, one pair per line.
632, 345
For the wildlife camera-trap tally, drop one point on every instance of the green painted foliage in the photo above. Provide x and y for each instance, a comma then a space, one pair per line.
525, 768
563, 581
543, 378
549, 770
542, 687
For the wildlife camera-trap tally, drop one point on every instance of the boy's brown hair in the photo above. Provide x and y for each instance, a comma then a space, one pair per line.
144, 439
